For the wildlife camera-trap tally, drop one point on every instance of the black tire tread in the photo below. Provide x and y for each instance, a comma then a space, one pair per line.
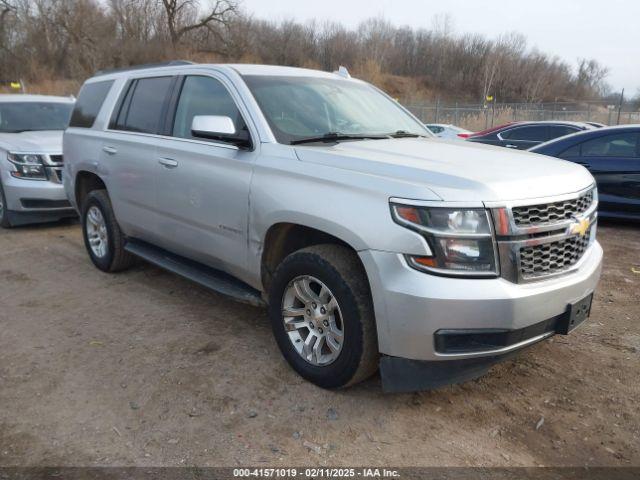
350, 271
4, 221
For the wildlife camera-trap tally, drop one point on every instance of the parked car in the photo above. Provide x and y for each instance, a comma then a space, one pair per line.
323, 198
447, 131
524, 135
31, 188
612, 155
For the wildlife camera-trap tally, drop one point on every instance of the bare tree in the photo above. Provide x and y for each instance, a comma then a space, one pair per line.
67, 40
6, 7
182, 16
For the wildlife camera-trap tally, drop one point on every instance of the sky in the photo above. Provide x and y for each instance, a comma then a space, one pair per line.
608, 31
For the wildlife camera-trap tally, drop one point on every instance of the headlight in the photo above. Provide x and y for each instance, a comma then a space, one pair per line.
461, 239
27, 166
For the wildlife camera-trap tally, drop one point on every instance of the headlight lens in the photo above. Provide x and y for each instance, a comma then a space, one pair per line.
460, 239
27, 166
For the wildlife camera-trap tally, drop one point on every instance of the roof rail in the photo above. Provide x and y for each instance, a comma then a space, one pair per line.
172, 63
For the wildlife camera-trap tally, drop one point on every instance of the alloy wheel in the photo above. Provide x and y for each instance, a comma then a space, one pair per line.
97, 232
312, 320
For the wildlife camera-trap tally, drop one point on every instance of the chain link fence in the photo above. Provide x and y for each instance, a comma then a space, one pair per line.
477, 117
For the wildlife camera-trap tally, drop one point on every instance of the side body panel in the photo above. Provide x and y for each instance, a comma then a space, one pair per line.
618, 180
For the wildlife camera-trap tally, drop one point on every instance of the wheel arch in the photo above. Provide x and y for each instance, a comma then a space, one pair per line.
284, 238
85, 182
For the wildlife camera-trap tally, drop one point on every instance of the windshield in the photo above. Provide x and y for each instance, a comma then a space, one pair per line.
298, 108
29, 116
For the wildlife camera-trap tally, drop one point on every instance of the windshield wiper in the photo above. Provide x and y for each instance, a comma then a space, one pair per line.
405, 134
335, 136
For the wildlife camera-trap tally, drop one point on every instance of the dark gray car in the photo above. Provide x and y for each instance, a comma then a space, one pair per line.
524, 135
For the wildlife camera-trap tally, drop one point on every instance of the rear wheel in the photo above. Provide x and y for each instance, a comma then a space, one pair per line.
4, 215
102, 235
322, 316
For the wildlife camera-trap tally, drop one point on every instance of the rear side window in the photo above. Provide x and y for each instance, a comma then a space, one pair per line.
204, 96
619, 145
89, 102
537, 133
556, 131
144, 106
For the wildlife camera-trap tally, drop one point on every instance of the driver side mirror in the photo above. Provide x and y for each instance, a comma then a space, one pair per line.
221, 128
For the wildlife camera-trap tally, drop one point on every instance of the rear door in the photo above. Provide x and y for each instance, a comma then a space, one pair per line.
203, 185
614, 161
129, 153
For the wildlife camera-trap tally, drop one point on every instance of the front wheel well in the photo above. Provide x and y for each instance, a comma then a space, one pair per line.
86, 182
283, 239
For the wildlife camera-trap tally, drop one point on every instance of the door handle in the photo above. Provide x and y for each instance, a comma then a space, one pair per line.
109, 150
168, 162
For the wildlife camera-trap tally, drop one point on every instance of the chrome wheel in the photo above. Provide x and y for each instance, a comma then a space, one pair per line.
97, 232
312, 320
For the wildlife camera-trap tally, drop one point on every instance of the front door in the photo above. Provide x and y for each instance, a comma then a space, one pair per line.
614, 161
203, 186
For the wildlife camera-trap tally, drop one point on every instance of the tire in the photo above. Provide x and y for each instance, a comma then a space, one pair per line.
339, 269
115, 258
4, 215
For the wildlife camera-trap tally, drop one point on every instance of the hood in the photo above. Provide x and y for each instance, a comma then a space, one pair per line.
49, 141
454, 170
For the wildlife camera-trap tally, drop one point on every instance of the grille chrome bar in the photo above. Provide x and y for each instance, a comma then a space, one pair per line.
551, 213
506, 225
553, 257
538, 240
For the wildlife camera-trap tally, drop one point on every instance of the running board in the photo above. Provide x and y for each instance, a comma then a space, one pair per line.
208, 277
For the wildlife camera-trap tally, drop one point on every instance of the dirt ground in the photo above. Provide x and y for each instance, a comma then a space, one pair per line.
145, 368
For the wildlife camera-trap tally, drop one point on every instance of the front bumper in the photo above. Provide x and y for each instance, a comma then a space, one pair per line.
30, 201
412, 306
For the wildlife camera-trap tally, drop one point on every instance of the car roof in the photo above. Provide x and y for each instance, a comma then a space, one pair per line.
22, 97
274, 70
240, 68
551, 122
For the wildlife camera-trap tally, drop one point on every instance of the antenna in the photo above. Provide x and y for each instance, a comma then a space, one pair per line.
343, 72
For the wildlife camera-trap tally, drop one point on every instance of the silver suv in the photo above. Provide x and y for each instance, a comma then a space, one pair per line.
31, 129
372, 243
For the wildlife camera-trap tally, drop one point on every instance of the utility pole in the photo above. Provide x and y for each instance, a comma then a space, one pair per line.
493, 111
620, 106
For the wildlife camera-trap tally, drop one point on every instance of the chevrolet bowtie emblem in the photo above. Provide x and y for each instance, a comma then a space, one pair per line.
580, 227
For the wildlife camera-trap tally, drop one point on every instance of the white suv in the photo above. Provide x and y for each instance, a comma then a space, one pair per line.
31, 188
372, 242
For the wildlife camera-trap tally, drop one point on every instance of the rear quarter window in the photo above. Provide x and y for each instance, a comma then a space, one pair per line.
89, 103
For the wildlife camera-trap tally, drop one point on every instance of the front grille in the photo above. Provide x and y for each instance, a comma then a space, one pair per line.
550, 213
554, 257
56, 158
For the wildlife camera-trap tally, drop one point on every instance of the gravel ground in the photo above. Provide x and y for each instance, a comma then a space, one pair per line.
145, 368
